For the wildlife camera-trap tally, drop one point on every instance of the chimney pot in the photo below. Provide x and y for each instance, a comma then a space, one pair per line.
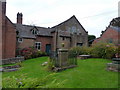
19, 18
3, 7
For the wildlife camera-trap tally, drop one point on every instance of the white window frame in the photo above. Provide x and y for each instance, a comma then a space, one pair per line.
38, 45
20, 40
34, 32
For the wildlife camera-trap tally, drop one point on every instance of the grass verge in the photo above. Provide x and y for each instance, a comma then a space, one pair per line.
90, 73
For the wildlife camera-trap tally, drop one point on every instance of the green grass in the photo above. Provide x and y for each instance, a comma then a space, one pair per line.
7, 65
90, 73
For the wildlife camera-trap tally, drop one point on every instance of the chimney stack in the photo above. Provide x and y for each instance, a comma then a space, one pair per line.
3, 6
19, 18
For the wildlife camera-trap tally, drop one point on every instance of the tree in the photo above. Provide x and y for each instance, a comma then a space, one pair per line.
91, 38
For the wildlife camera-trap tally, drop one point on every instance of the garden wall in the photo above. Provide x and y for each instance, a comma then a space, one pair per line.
12, 60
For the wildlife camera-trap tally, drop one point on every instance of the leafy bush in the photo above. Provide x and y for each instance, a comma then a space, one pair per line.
103, 50
31, 52
118, 51
43, 54
99, 50
27, 52
75, 51
19, 64
24, 82
80, 50
86, 50
51, 64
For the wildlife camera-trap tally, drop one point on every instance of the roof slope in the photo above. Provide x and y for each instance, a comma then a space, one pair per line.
73, 17
115, 22
25, 31
115, 28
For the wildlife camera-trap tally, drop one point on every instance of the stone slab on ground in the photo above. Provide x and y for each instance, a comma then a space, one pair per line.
84, 56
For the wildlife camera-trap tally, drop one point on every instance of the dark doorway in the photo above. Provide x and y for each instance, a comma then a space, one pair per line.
48, 48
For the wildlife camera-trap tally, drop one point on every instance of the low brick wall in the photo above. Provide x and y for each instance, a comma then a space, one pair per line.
12, 60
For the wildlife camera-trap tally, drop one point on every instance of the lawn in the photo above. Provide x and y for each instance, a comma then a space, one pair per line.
90, 73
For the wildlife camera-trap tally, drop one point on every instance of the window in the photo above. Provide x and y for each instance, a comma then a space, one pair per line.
34, 32
20, 40
38, 45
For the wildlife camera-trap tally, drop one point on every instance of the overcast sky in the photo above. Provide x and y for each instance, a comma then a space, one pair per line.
94, 15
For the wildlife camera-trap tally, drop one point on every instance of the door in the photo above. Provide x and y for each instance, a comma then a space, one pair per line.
48, 48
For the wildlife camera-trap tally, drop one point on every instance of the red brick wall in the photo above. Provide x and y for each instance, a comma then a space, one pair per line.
10, 42
44, 41
26, 43
0, 30
8, 34
109, 34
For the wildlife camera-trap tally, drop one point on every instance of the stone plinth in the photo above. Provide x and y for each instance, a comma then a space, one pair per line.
84, 56
115, 65
63, 57
62, 60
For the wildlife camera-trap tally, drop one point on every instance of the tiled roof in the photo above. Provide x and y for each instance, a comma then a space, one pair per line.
115, 28
44, 31
25, 31
115, 22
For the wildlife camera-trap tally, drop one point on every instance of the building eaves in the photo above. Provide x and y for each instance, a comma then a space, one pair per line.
25, 31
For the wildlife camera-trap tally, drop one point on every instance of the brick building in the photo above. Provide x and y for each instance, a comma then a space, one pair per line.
18, 36
111, 34
7, 33
69, 32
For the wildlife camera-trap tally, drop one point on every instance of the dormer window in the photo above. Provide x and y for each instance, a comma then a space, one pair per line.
34, 32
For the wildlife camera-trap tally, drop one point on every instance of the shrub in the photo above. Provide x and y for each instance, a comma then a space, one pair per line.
51, 64
31, 52
44, 54
86, 50
36, 53
99, 50
118, 51
103, 50
19, 64
80, 50
24, 82
27, 52
75, 51
18, 52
